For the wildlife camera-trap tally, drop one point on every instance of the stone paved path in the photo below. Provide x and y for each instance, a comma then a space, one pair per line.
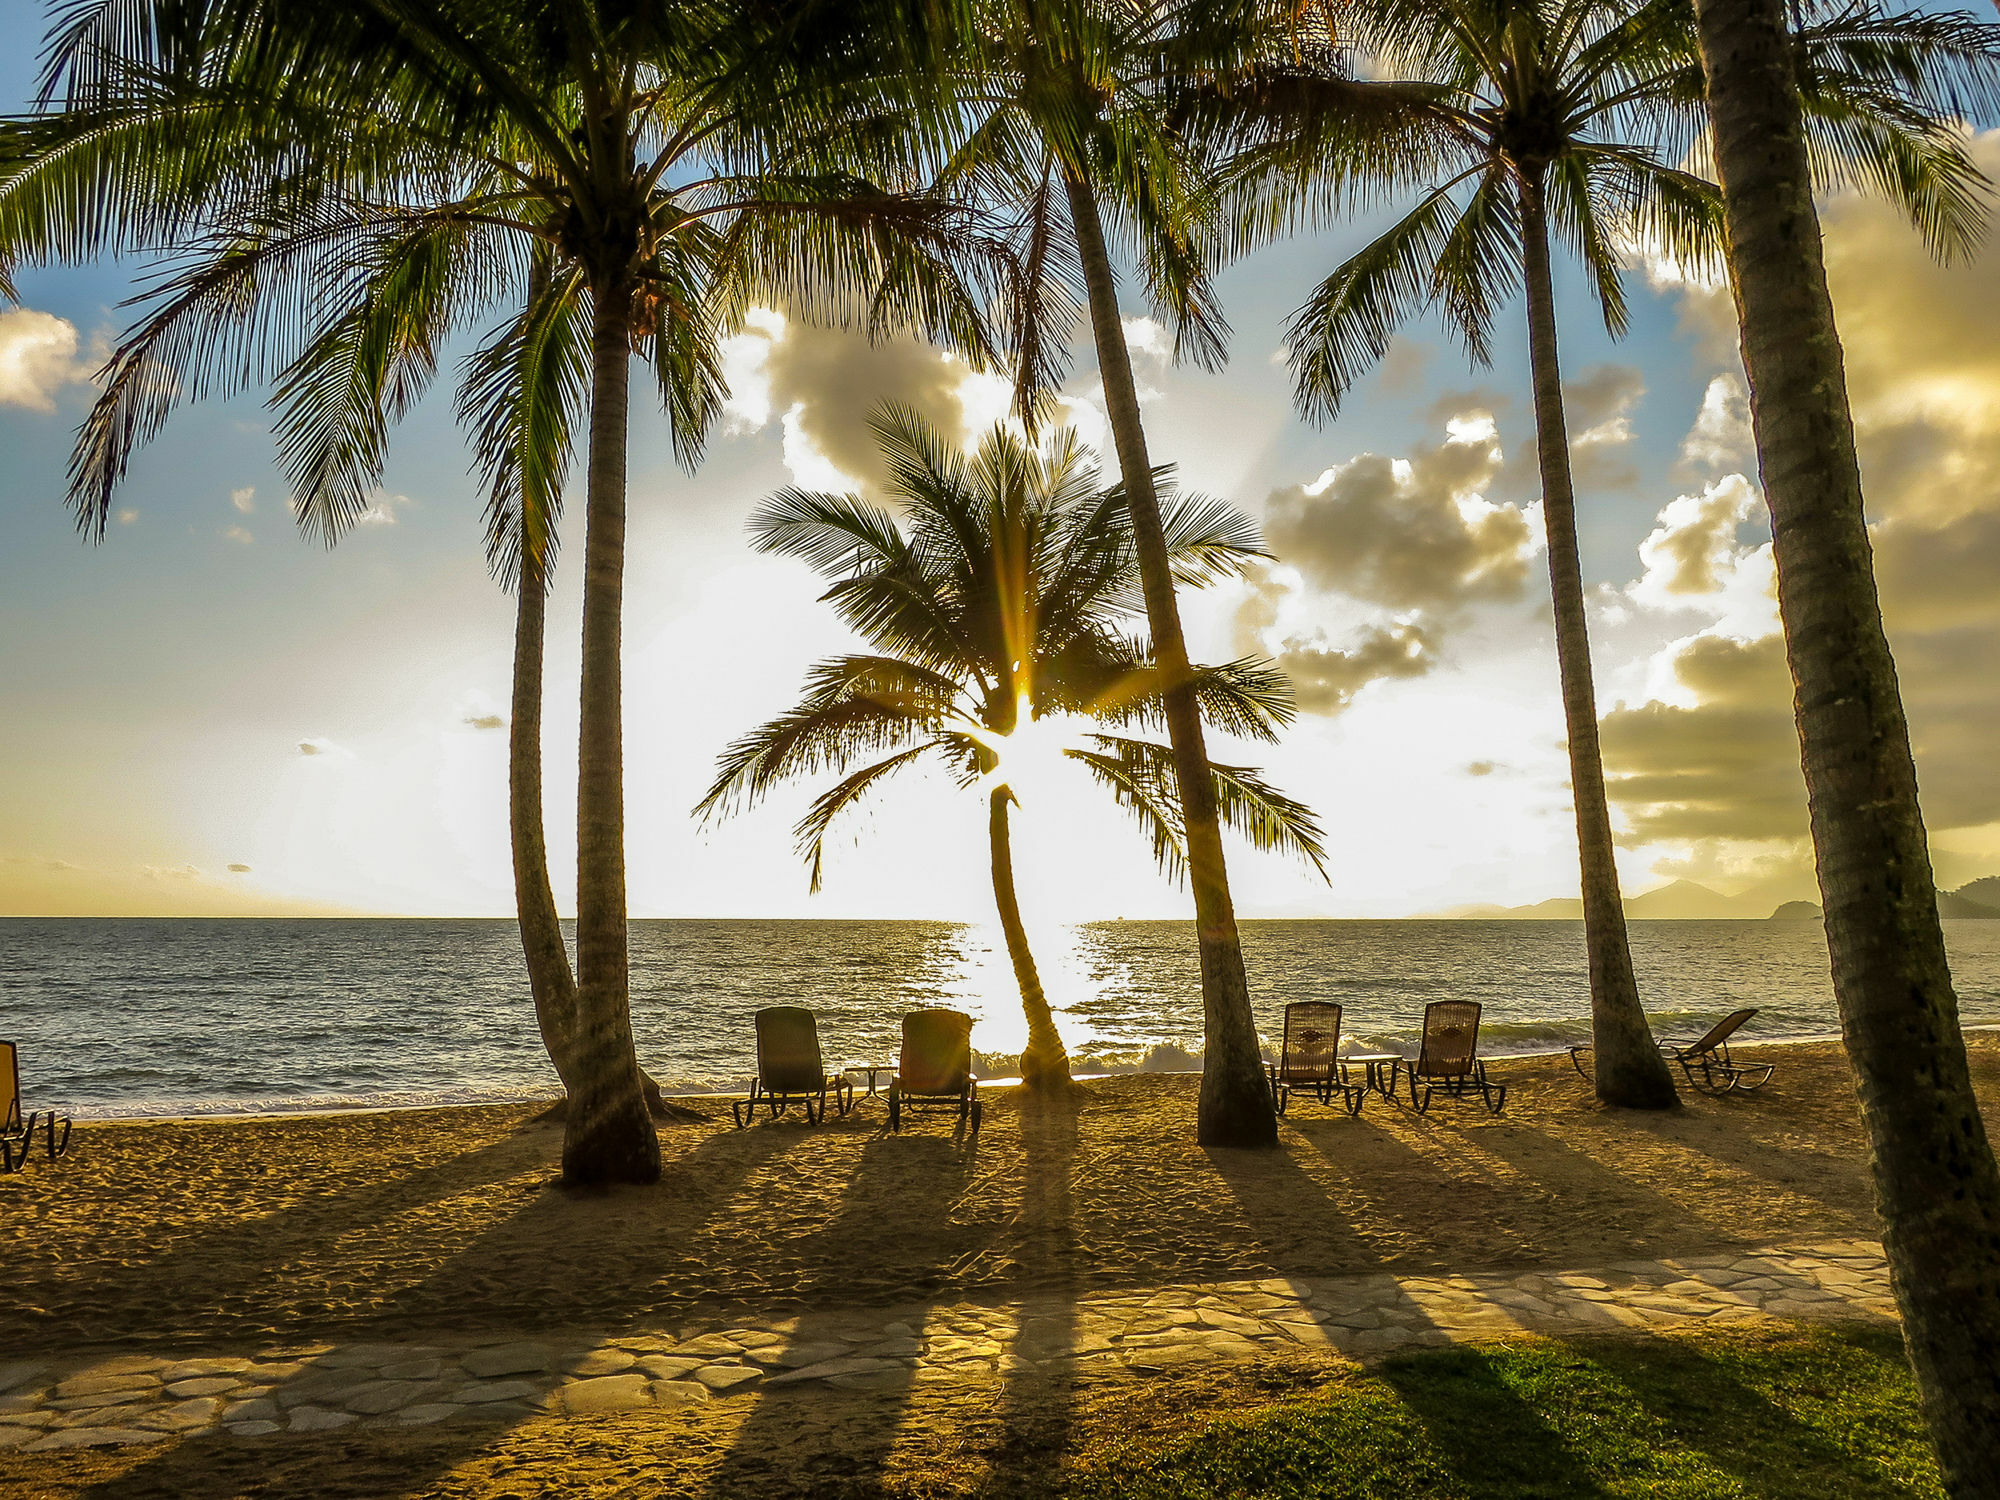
106, 1398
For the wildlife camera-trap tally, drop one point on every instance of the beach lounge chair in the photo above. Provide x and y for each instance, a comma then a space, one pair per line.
1708, 1065
790, 1069
17, 1130
935, 1070
1705, 1061
1309, 1060
1449, 1058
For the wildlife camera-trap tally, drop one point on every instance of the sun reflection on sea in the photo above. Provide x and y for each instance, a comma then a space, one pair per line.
985, 989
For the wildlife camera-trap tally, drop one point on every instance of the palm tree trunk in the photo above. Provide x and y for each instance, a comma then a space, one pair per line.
1629, 1068
1235, 1107
1045, 1063
609, 1136
1936, 1183
549, 976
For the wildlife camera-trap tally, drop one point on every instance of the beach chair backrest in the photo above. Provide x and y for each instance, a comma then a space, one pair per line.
1312, 1039
937, 1052
788, 1057
1721, 1031
10, 1089
1451, 1038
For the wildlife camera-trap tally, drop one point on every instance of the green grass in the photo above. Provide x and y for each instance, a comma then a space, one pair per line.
1791, 1413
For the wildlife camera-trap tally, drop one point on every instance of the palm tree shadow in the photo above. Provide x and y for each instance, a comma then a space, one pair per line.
1037, 1407
1734, 1425
437, 1302
1496, 1443
827, 1438
250, 1264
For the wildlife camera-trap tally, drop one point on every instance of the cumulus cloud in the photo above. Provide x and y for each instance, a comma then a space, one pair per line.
1711, 760
1598, 406
169, 872
1326, 677
382, 509
245, 499
239, 869
1408, 532
485, 721
238, 534
1720, 437
1692, 548
823, 384
128, 516
38, 358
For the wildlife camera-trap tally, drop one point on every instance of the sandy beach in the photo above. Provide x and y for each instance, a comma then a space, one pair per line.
447, 1224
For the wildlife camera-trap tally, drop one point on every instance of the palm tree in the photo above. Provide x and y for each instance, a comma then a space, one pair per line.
352, 187
1002, 607
1544, 100
1937, 1185
1070, 127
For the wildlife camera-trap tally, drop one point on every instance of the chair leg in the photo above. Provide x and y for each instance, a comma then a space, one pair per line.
895, 1109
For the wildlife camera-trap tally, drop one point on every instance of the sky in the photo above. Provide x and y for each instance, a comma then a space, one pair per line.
210, 714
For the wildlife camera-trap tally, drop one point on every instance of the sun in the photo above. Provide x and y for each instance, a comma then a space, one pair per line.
1034, 758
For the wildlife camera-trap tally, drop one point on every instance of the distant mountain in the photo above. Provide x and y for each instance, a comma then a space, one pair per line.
1958, 904
1683, 901
1985, 891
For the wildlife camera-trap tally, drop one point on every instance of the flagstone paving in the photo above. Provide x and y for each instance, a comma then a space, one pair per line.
89, 1399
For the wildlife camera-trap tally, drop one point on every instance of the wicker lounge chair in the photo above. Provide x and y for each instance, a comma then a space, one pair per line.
790, 1069
17, 1130
935, 1070
1708, 1065
1449, 1058
1309, 1061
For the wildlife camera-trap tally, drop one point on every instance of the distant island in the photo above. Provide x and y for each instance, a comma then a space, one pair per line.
1683, 901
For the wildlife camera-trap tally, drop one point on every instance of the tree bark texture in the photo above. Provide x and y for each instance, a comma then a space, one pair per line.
549, 978
609, 1136
1235, 1107
1628, 1066
1937, 1187
1045, 1063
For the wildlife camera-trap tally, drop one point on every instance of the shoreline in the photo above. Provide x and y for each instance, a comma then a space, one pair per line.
292, 1111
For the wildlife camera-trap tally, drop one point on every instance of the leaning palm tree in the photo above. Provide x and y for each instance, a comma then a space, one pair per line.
351, 187
1936, 1183
1565, 119
1070, 135
1001, 605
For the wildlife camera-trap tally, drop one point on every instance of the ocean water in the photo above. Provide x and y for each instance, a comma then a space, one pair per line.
120, 1016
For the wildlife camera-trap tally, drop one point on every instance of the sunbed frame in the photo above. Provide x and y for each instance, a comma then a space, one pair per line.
1309, 1059
17, 1131
934, 1071
791, 1070
1706, 1062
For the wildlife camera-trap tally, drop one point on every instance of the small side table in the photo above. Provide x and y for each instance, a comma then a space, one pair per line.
1381, 1068
871, 1069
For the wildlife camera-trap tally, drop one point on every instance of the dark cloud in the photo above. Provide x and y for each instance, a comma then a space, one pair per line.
485, 721
1597, 408
239, 869
1406, 533
1481, 768
1325, 678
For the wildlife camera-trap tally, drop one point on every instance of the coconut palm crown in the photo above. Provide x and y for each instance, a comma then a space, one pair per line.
1567, 121
1003, 600
340, 192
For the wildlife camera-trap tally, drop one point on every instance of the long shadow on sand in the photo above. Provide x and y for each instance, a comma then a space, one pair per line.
1037, 1407
239, 1272
834, 1438
450, 1297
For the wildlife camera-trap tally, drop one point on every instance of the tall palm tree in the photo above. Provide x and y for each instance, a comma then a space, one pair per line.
1070, 134
1003, 605
1566, 117
1937, 1185
350, 187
